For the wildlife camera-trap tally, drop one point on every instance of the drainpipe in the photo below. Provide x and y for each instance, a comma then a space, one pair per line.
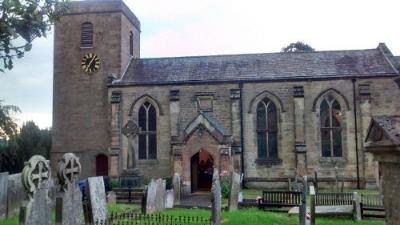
356, 132
241, 131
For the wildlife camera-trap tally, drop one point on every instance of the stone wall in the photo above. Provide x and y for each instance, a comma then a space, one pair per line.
281, 93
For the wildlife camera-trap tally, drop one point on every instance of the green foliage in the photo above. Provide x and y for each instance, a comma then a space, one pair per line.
29, 141
298, 47
21, 21
8, 125
225, 186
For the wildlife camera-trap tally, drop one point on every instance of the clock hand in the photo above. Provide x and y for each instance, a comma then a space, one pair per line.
91, 61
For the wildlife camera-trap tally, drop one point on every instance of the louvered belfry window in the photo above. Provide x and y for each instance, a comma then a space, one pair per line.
87, 35
131, 43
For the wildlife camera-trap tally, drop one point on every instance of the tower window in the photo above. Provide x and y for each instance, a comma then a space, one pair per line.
87, 35
131, 43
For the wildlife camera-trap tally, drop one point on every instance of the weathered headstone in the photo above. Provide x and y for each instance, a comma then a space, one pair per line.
69, 204
3, 195
160, 194
234, 193
303, 206
169, 199
176, 183
16, 193
312, 205
97, 204
357, 207
151, 197
216, 199
111, 197
36, 210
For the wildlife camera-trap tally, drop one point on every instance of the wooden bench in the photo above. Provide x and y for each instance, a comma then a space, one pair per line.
279, 199
129, 195
330, 199
372, 206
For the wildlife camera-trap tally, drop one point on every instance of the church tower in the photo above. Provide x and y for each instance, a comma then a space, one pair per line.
94, 41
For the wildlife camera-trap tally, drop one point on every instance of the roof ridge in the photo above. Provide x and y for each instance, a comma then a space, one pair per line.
254, 54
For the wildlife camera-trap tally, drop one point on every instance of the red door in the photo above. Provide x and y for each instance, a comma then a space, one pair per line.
101, 165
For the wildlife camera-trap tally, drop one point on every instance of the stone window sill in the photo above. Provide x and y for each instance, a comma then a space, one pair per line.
332, 161
268, 162
148, 162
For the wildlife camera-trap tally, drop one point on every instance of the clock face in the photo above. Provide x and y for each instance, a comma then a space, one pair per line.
90, 63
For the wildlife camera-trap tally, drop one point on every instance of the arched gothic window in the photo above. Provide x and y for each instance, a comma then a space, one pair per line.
267, 130
131, 43
331, 131
87, 35
148, 131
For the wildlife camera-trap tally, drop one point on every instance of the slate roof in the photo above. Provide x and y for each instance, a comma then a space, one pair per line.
257, 67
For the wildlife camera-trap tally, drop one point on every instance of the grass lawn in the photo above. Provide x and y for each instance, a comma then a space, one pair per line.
247, 216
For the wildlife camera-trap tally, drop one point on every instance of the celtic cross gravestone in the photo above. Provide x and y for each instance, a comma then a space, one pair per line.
35, 177
69, 204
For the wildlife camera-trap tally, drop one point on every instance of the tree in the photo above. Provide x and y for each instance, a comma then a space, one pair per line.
28, 142
21, 21
8, 125
298, 47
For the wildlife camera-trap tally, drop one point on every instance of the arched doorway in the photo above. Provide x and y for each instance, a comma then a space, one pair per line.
101, 165
201, 171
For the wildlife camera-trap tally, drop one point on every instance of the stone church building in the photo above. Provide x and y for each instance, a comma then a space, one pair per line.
269, 116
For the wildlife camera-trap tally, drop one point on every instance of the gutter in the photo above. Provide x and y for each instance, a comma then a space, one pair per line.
241, 133
356, 132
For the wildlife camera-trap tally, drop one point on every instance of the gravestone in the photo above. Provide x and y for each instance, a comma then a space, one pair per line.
111, 197
3, 195
69, 204
216, 199
357, 207
16, 193
303, 206
169, 199
160, 194
96, 208
176, 182
36, 210
234, 193
151, 197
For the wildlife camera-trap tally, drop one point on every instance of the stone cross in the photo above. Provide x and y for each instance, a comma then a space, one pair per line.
130, 130
216, 199
176, 182
234, 193
3, 195
35, 176
69, 204
96, 207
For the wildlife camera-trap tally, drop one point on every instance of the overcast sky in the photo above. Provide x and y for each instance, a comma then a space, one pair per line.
206, 27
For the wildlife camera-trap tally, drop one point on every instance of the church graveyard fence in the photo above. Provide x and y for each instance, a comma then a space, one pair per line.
134, 218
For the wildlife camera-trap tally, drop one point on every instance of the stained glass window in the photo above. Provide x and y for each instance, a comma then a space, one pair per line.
267, 130
331, 131
147, 117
